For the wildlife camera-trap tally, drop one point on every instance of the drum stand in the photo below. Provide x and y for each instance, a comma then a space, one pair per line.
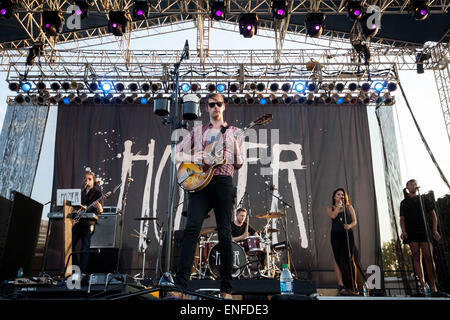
141, 275
270, 269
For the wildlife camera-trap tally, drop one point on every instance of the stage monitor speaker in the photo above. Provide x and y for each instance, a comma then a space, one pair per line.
105, 232
103, 262
20, 219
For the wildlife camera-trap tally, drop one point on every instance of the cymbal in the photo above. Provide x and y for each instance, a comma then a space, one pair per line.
272, 230
270, 215
208, 230
146, 218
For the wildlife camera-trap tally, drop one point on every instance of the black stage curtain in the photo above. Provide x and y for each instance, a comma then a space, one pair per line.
318, 149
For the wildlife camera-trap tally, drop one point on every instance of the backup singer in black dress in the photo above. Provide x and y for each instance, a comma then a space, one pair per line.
83, 230
350, 277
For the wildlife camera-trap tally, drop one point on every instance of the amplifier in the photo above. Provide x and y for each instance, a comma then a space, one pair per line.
105, 232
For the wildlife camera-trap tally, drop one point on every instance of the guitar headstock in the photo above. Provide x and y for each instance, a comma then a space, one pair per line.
264, 119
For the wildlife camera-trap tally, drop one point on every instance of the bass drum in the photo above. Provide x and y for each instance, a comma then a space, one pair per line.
239, 260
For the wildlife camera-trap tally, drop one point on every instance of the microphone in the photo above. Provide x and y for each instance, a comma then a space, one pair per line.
417, 188
130, 179
271, 186
85, 185
186, 49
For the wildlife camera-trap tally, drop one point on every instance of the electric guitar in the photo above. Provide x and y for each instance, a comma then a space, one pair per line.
194, 177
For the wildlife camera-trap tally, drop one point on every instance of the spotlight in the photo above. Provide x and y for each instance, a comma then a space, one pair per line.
106, 86
365, 99
185, 87
191, 107
65, 86
133, 87
145, 87
248, 24
119, 87
218, 9
131, 99
378, 86
55, 86
301, 100
392, 86
352, 86
7, 8
118, 23
260, 87
261, 99
195, 87
250, 86
387, 99
211, 87
66, 100
234, 87
235, 99
83, 6
93, 86
140, 10
52, 22
13, 86
420, 9
365, 87
40, 85
369, 27
249, 99
221, 87
73, 85
286, 87
19, 99
314, 24
274, 87
279, 9
340, 100
55, 99
155, 87
144, 99
25, 86
310, 99
97, 98
119, 99
311, 87
340, 87
355, 10
300, 87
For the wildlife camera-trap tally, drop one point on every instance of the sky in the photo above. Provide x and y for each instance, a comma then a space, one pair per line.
415, 162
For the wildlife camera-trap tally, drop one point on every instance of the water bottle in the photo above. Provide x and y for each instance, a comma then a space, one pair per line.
20, 273
286, 281
366, 290
427, 290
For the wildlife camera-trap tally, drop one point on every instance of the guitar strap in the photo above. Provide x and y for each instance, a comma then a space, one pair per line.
222, 130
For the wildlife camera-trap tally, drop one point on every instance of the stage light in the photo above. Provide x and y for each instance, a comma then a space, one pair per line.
40, 85
234, 87
368, 29
93, 86
119, 87
191, 107
133, 87
387, 99
365, 99
7, 8
235, 99
352, 86
263, 101
248, 24
249, 99
378, 86
83, 6
195, 87
340, 87
286, 87
143, 100
145, 87
155, 86
392, 86
140, 10
211, 87
311, 87
260, 87
106, 86
279, 9
55, 86
354, 9
185, 87
365, 87
218, 9
274, 87
66, 100
55, 99
14, 86
221, 87
420, 9
117, 23
300, 86
132, 98
52, 22
25, 86
340, 100
314, 23
19, 99
310, 98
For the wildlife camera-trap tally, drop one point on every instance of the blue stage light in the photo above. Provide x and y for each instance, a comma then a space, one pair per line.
66, 100
106, 86
185, 87
143, 100
26, 86
220, 87
378, 86
300, 86
263, 101
340, 100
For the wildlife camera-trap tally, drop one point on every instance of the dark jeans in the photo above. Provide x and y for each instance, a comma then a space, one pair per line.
217, 195
81, 231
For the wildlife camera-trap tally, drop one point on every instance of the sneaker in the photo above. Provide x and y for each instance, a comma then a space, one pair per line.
439, 294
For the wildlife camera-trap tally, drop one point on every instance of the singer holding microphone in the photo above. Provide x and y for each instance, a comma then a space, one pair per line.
83, 229
347, 267
414, 232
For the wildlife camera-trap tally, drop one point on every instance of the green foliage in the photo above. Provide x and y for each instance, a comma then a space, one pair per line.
391, 264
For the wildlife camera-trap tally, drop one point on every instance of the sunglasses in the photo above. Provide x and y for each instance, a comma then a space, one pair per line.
212, 104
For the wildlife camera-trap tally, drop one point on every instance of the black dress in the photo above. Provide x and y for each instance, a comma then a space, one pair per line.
352, 277
411, 209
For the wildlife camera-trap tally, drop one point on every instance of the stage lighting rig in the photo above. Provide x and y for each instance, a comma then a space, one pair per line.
248, 24
52, 22
7, 8
118, 23
420, 9
279, 9
218, 9
83, 8
314, 23
354, 9
140, 10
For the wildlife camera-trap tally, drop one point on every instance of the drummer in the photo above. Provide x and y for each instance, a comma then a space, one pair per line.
239, 225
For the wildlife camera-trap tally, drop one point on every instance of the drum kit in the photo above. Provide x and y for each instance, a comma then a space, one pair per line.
253, 250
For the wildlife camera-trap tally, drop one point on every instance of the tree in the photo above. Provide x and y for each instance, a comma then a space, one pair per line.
391, 263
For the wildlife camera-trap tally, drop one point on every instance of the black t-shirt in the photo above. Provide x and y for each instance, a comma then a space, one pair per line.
90, 197
410, 209
239, 231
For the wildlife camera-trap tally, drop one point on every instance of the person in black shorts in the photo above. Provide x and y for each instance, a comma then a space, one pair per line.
415, 235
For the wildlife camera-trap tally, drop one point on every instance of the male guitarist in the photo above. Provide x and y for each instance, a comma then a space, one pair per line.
83, 229
217, 195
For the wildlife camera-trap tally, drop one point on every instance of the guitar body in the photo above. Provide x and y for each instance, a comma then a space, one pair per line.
192, 178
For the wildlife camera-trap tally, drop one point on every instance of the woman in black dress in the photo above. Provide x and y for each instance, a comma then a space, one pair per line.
348, 271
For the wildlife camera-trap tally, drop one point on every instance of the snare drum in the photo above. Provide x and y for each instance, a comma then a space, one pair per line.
206, 249
253, 245
239, 260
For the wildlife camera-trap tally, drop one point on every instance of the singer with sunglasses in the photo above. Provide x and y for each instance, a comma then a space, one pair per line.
217, 195
83, 230
347, 267
415, 235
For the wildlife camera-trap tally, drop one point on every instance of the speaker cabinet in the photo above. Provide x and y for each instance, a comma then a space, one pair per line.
105, 232
20, 219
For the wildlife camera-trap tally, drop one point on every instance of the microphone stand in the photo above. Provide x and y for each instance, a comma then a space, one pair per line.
348, 246
122, 216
